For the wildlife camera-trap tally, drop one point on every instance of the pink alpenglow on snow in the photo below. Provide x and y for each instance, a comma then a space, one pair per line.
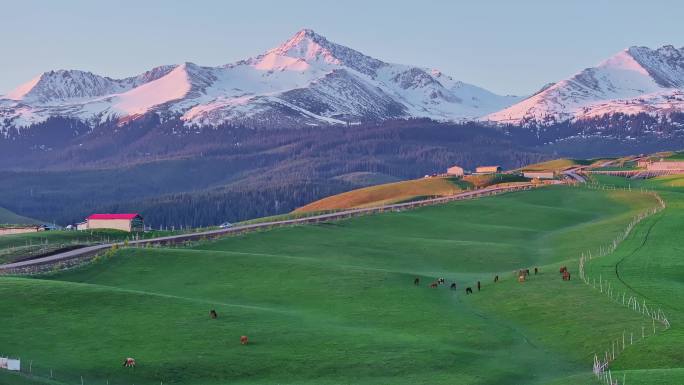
308, 80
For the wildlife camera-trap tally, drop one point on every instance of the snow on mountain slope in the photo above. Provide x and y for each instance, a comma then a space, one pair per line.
308, 80
635, 80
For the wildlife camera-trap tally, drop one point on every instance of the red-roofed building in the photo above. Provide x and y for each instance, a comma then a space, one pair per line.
125, 222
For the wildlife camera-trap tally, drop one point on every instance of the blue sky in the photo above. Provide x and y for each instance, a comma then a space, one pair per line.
511, 47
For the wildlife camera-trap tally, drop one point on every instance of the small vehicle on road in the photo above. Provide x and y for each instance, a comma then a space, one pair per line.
226, 225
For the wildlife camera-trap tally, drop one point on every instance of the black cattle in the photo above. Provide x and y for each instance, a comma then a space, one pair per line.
453, 286
469, 290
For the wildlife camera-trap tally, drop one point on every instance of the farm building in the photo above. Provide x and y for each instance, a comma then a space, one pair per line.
455, 171
487, 169
125, 222
539, 174
664, 165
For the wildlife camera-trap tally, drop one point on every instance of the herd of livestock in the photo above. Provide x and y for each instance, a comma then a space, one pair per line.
521, 275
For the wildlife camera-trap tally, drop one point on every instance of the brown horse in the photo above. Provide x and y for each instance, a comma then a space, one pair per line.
244, 340
563, 269
129, 363
433, 285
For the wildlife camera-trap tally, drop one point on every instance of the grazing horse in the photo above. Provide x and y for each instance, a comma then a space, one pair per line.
478, 285
536, 270
563, 269
129, 363
566, 275
433, 285
453, 286
469, 290
496, 278
244, 340
416, 281
213, 314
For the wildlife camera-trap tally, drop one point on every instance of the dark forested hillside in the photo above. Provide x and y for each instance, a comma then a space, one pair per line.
178, 175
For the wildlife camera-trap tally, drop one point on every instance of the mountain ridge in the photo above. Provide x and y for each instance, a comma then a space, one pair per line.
307, 80
635, 80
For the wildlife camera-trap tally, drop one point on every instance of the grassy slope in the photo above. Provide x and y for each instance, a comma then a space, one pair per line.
334, 303
650, 264
387, 194
8, 217
556, 165
18, 245
485, 180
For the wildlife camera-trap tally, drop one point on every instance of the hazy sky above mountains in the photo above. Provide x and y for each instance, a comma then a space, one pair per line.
509, 47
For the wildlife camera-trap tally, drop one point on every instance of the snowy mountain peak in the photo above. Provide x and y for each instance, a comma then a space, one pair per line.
665, 64
306, 81
635, 80
306, 47
55, 86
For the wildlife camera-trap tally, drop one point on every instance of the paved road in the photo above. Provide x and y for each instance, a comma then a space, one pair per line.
573, 174
576, 172
93, 250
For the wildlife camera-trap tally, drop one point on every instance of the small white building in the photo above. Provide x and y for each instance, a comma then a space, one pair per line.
539, 174
455, 171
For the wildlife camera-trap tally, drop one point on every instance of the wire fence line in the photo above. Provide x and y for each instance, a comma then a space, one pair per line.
659, 321
32, 369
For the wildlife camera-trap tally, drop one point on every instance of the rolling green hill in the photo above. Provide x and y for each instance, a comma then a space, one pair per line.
404, 191
8, 217
335, 302
388, 193
557, 164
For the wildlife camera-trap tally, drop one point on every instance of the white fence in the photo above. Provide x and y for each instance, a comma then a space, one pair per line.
601, 364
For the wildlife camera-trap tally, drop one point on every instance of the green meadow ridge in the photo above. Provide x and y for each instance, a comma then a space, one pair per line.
335, 303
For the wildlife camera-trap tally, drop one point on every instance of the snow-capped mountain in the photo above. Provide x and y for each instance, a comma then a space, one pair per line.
636, 80
308, 80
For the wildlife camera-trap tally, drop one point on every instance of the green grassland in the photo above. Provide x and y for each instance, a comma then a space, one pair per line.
19, 245
334, 303
650, 265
